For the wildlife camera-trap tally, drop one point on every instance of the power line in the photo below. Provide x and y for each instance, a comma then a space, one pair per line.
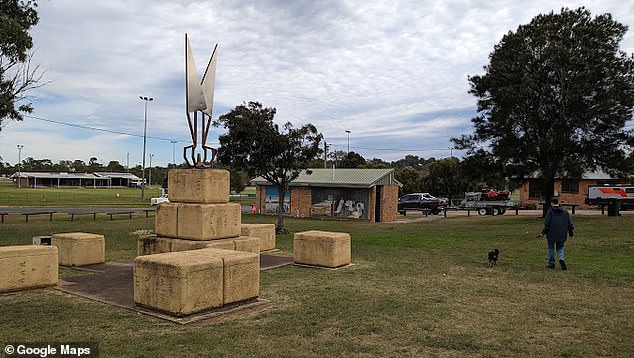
100, 129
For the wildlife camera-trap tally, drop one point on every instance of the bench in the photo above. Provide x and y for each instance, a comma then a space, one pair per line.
121, 213
50, 213
572, 206
94, 215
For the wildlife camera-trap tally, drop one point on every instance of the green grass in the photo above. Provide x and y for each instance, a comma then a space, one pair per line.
10, 195
418, 289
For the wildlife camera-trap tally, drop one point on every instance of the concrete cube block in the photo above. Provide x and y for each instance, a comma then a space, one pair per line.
208, 221
27, 266
179, 283
80, 248
198, 186
153, 244
265, 232
322, 248
166, 223
247, 244
241, 278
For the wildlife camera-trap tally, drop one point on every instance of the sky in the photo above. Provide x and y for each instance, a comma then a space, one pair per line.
393, 73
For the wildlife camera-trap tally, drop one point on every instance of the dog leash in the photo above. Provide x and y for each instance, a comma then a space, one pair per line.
521, 243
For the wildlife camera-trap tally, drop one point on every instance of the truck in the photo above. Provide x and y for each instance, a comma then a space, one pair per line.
488, 202
602, 194
420, 202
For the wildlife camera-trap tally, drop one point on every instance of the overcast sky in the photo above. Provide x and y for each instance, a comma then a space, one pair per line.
394, 73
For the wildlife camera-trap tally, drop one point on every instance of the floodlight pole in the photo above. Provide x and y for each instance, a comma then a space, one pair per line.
347, 131
20, 146
146, 99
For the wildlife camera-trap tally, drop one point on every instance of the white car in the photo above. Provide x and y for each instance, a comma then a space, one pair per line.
162, 199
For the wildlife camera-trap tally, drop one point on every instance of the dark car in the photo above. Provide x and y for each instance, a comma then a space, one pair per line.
420, 201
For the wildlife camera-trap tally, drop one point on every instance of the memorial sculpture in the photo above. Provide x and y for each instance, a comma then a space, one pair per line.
199, 100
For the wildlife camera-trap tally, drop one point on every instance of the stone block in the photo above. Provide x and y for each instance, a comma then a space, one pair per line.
241, 279
198, 186
80, 248
166, 223
179, 283
247, 244
27, 266
265, 232
153, 244
208, 221
322, 248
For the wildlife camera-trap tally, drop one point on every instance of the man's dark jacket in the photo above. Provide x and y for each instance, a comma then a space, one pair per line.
557, 224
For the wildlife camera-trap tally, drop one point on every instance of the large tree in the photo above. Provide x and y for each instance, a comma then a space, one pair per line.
255, 144
554, 99
17, 75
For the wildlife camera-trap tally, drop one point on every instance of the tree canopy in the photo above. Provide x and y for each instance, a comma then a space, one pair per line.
554, 99
17, 77
258, 146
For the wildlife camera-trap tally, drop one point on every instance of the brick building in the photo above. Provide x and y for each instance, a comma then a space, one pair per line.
355, 194
570, 191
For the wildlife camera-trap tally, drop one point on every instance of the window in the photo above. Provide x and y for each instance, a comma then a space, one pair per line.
570, 186
535, 190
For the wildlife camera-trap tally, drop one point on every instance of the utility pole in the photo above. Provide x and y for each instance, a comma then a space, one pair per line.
20, 146
325, 155
150, 180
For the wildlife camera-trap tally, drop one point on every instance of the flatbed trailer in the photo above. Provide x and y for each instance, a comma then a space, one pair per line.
473, 200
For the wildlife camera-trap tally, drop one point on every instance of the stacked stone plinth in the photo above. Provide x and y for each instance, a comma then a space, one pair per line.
198, 227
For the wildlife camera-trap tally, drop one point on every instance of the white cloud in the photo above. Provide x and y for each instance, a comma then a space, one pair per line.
393, 72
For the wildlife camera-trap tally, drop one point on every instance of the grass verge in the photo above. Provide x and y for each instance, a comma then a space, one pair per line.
419, 289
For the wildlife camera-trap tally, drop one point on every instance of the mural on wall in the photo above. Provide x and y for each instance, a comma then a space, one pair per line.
342, 203
271, 201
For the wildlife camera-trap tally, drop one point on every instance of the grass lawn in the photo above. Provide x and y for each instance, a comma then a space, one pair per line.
418, 289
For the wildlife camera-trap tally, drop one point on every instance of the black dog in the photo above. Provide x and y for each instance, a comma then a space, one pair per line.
493, 257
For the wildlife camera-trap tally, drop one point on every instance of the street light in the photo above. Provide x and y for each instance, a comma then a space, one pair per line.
146, 99
20, 146
173, 151
347, 131
150, 180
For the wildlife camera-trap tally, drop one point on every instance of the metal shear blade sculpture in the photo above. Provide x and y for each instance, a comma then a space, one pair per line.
199, 100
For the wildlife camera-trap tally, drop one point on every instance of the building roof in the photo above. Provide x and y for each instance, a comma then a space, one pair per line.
72, 175
593, 175
362, 178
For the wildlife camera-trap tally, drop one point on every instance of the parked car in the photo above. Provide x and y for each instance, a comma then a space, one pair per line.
420, 201
162, 199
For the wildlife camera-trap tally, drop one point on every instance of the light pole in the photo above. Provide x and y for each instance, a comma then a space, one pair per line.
150, 180
347, 131
173, 151
146, 99
20, 146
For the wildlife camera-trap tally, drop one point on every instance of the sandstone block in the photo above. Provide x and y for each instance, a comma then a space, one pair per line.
247, 244
27, 266
80, 248
153, 244
241, 280
166, 223
198, 186
322, 248
179, 283
208, 221
265, 232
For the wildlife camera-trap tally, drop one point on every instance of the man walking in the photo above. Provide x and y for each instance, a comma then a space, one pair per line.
557, 226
